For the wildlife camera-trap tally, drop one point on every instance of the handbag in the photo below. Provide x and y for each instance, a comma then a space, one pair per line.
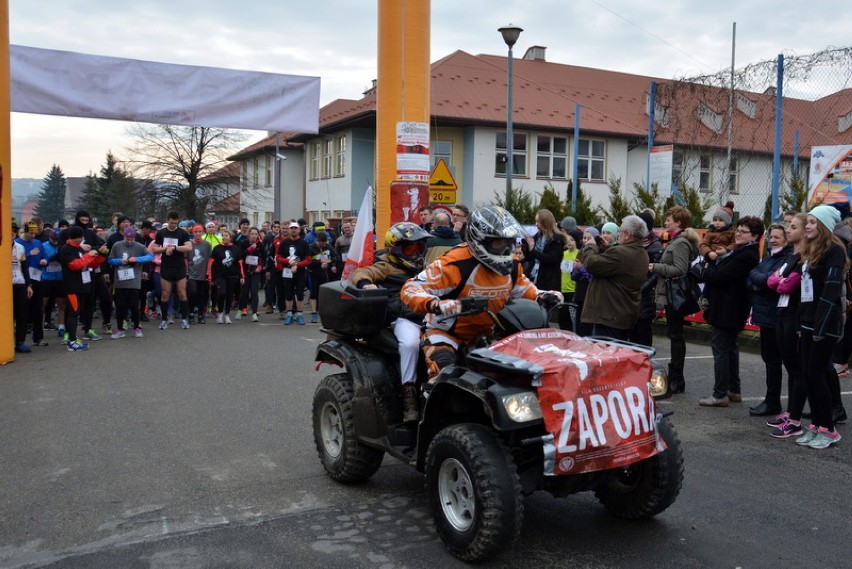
682, 294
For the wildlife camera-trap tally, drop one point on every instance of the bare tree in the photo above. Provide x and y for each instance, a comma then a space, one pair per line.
176, 158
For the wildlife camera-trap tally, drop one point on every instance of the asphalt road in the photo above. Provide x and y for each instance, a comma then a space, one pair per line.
191, 449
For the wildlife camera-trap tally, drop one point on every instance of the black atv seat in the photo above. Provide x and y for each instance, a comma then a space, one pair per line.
484, 360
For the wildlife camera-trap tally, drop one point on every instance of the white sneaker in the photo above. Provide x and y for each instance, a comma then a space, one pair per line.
184, 324
117, 334
239, 315
220, 319
137, 332
164, 324
227, 319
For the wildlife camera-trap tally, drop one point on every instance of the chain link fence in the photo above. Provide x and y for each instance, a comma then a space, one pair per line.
731, 156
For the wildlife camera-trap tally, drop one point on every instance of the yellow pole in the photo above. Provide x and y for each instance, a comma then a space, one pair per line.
7, 335
402, 88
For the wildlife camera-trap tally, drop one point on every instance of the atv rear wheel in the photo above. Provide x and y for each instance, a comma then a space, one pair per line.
474, 491
343, 457
647, 488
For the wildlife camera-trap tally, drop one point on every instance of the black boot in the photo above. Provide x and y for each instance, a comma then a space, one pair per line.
410, 403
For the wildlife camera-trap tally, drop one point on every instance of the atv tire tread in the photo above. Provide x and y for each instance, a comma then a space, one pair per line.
357, 462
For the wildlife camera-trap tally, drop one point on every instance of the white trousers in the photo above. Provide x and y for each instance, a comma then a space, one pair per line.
408, 335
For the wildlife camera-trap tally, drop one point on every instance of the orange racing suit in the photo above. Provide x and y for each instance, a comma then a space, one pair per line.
455, 275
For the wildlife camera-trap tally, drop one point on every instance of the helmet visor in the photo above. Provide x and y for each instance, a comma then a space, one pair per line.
499, 246
413, 249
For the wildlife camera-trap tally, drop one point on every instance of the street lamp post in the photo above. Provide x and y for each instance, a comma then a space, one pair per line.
510, 35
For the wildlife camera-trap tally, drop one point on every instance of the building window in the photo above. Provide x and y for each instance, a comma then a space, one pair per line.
704, 181
519, 154
732, 177
677, 168
551, 159
441, 150
255, 172
591, 159
316, 156
268, 169
340, 162
327, 157
267, 217
254, 217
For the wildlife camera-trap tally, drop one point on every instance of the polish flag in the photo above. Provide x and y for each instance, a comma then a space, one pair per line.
362, 250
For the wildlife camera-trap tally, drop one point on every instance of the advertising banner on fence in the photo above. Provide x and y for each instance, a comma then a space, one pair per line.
595, 400
830, 175
660, 164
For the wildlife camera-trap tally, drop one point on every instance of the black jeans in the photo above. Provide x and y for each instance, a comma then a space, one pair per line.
772, 360
787, 334
249, 292
19, 311
816, 357
198, 292
726, 361
643, 332
674, 330
126, 300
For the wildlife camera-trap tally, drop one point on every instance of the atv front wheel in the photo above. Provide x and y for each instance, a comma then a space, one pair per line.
474, 491
647, 488
343, 457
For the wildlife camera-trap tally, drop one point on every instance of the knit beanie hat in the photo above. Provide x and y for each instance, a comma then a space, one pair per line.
610, 227
826, 215
725, 213
592, 231
130, 232
568, 223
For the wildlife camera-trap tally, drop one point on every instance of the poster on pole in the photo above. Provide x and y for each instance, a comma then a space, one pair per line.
412, 151
830, 178
660, 166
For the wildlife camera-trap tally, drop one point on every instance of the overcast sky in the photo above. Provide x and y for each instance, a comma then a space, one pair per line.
336, 40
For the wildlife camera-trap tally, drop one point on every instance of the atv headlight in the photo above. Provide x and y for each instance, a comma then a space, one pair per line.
522, 407
659, 382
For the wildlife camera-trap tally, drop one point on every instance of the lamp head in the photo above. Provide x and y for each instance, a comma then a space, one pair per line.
510, 34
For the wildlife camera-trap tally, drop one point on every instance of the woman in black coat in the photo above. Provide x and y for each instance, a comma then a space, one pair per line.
543, 255
726, 290
764, 313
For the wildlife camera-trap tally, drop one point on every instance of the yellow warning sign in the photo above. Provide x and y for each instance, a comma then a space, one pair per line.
441, 179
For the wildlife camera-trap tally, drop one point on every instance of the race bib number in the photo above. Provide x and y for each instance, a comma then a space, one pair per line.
807, 288
344, 256
784, 301
35, 274
169, 241
53, 267
567, 266
287, 273
251, 259
126, 274
86, 276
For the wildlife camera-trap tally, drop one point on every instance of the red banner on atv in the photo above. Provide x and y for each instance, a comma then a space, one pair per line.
595, 399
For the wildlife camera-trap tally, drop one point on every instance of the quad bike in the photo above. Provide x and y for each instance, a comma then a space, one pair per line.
494, 428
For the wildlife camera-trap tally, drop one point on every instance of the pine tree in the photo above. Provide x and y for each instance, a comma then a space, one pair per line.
51, 199
618, 208
645, 199
117, 188
93, 200
519, 203
796, 198
584, 213
550, 201
691, 199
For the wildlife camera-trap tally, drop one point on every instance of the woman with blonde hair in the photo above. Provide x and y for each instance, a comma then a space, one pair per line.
543, 253
820, 319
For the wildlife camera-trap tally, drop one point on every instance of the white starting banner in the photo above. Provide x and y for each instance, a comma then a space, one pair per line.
65, 83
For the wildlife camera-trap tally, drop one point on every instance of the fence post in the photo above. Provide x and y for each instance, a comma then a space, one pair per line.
652, 105
576, 181
776, 159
